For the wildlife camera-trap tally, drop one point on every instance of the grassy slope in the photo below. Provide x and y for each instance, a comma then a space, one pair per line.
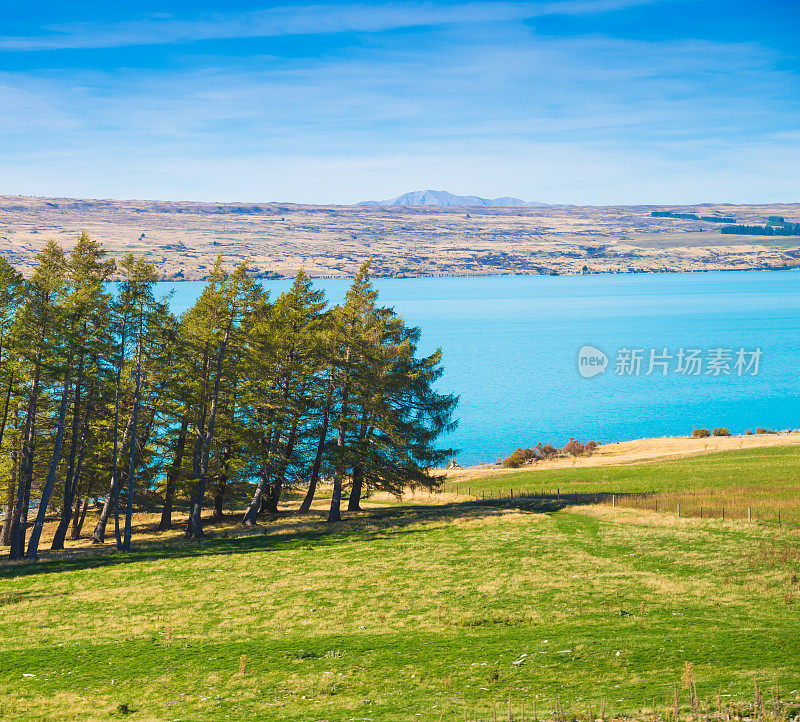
407, 611
767, 479
776, 469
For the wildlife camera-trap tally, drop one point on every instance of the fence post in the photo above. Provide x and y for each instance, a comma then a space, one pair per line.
512, 493
613, 500
779, 518
701, 512
749, 514
679, 510
723, 513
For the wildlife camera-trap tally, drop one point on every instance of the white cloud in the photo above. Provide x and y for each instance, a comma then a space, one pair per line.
294, 20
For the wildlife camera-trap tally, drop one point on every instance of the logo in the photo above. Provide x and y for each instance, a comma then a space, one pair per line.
591, 361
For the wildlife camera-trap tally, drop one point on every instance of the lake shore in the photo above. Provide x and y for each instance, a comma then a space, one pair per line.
636, 451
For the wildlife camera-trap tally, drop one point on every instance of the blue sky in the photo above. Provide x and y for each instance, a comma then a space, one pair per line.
561, 101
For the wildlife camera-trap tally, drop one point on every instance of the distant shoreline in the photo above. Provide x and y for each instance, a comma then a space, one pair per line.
513, 275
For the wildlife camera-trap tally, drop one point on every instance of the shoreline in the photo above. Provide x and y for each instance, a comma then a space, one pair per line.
653, 272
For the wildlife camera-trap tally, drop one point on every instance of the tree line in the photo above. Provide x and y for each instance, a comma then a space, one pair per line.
106, 395
692, 217
785, 229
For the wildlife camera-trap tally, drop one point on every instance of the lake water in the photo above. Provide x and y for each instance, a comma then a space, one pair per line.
511, 347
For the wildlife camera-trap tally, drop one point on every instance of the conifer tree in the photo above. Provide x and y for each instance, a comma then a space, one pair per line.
36, 339
11, 289
355, 335
216, 326
286, 349
86, 340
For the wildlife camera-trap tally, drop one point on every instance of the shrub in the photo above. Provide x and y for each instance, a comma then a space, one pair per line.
540, 452
576, 448
762, 430
548, 451
545, 452
721, 431
700, 433
518, 458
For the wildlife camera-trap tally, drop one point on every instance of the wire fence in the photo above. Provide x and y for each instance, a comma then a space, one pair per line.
702, 504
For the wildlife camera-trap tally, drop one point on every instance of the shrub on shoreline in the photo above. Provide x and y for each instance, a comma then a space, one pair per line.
518, 458
721, 431
700, 433
576, 448
545, 452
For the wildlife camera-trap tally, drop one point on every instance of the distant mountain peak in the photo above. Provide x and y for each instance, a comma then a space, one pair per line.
443, 198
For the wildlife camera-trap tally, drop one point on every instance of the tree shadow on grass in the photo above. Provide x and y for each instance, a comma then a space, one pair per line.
286, 531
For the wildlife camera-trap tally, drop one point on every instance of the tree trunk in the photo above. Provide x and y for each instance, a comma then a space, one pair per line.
222, 483
266, 494
99, 533
335, 512
5, 407
47, 489
323, 437
126, 540
5, 540
71, 487
78, 519
77, 441
194, 529
219, 498
76, 513
250, 516
280, 478
172, 476
260, 493
354, 503
5, 535
111, 502
357, 487
19, 519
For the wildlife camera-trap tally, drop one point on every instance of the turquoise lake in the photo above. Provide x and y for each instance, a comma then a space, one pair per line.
511, 347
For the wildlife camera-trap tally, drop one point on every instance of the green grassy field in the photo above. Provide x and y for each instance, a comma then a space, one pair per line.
766, 479
412, 612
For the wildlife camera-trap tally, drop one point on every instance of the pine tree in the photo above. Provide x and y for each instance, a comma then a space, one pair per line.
84, 314
11, 289
36, 340
215, 326
284, 360
355, 335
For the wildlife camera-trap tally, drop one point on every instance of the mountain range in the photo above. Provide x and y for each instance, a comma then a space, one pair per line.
443, 198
